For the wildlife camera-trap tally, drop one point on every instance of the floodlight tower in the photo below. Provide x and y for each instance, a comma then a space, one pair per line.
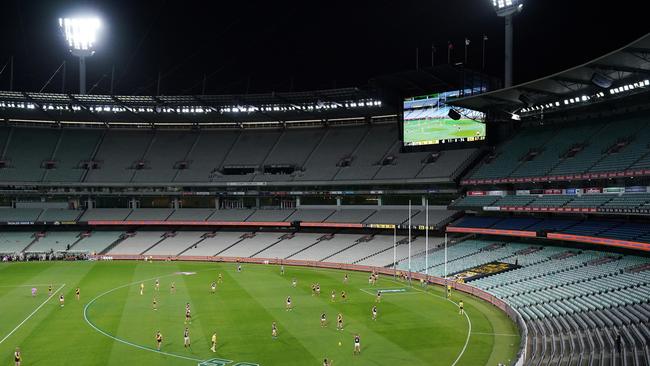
507, 10
81, 34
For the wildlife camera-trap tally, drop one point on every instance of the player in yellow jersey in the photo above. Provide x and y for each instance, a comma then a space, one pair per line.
141, 288
77, 293
214, 343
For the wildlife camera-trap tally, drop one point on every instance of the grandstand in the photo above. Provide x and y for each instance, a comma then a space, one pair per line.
547, 219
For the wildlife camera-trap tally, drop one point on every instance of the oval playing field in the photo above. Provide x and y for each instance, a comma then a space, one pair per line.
112, 324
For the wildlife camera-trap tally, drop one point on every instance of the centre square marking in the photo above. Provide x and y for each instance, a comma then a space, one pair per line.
224, 362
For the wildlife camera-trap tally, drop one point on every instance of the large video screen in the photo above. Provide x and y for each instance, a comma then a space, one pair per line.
427, 121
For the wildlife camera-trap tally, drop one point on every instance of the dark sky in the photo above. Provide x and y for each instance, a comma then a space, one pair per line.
262, 46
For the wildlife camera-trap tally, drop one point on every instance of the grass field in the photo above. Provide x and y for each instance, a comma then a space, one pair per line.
430, 131
113, 324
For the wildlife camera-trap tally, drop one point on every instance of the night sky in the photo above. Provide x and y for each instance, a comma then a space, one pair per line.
263, 46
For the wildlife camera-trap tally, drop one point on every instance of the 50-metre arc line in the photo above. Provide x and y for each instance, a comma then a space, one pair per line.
144, 348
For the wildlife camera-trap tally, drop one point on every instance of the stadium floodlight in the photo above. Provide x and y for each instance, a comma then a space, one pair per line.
81, 35
507, 10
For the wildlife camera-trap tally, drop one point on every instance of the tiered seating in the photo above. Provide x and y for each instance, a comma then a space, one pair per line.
575, 304
510, 153
574, 148
105, 214
55, 214
19, 214
138, 243
454, 252
389, 215
251, 246
628, 201
553, 150
249, 151
55, 241
145, 156
190, 214
337, 144
638, 135
590, 200
177, 243
76, 146
119, 153
165, 150
212, 245
513, 200
550, 201
327, 248
287, 247
206, 155
26, 151
14, 242
475, 201
366, 158
363, 249
310, 215
97, 241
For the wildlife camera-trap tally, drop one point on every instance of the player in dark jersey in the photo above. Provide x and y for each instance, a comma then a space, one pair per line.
327, 363
339, 322
378, 298
313, 289
374, 312
323, 320
346, 278
77, 293
49, 290
357, 344
343, 296
274, 331
186, 338
154, 304
172, 289
461, 307
18, 357
220, 278
289, 306
61, 300
213, 287
159, 340
157, 285
317, 289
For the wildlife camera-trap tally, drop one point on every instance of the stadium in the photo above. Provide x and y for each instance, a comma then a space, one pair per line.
451, 213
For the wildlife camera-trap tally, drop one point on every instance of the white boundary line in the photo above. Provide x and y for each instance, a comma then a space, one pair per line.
32, 314
469, 322
125, 341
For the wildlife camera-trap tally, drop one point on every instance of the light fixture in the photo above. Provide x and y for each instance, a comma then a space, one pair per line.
507, 9
81, 36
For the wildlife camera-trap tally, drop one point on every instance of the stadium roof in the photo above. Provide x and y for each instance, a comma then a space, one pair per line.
626, 69
317, 105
